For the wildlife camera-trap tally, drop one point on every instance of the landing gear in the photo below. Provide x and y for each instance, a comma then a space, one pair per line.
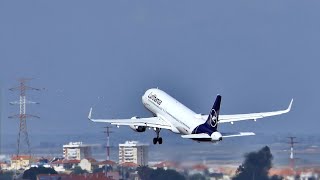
155, 140
158, 138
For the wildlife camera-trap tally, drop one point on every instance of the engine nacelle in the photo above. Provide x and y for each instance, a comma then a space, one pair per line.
216, 136
138, 128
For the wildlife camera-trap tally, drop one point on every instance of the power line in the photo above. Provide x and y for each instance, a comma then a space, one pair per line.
292, 158
107, 132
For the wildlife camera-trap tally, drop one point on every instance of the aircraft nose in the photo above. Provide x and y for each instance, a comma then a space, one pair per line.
144, 97
145, 94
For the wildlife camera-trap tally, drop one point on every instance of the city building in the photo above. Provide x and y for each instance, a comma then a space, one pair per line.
167, 165
64, 165
4, 166
133, 152
20, 162
93, 176
107, 165
77, 151
88, 164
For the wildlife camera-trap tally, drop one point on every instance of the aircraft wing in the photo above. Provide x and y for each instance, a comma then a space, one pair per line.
154, 122
251, 116
224, 135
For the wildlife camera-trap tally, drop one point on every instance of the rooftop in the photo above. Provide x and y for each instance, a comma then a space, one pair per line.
167, 164
64, 161
133, 143
129, 164
95, 176
21, 157
106, 162
79, 144
200, 167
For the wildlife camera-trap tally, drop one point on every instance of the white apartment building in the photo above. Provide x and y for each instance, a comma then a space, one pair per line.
76, 151
133, 152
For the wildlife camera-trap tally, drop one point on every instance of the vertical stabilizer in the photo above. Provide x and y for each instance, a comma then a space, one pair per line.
211, 124
213, 116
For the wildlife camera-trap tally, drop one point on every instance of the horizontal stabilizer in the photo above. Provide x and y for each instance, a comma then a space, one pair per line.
226, 135
196, 136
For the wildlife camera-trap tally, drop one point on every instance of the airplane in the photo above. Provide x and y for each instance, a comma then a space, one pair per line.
169, 113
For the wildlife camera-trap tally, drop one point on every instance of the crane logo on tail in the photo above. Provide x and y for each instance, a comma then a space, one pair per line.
213, 116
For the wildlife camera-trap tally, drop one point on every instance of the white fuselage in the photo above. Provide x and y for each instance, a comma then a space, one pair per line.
182, 119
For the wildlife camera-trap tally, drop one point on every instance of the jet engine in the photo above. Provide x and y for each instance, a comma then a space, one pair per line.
138, 128
216, 136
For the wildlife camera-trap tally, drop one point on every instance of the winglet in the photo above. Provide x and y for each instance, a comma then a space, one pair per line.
289, 107
89, 115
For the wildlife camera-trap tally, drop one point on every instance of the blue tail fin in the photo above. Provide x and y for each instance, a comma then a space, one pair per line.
211, 124
213, 117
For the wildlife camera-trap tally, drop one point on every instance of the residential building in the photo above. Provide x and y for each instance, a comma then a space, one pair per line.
133, 152
167, 165
77, 151
107, 165
94, 176
64, 165
4, 166
88, 164
21, 162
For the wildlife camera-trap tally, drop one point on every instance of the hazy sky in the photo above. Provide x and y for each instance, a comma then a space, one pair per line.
256, 54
